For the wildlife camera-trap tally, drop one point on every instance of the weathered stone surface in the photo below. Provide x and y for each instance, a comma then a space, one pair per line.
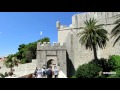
51, 53
56, 52
69, 53
77, 53
21, 70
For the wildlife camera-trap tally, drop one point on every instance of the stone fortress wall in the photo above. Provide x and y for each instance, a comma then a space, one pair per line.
69, 42
77, 53
21, 70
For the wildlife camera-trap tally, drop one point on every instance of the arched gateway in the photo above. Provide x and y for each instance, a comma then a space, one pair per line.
52, 55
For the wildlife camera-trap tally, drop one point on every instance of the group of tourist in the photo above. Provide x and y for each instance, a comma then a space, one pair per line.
46, 73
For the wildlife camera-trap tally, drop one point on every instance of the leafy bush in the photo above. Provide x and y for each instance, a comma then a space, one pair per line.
89, 70
101, 63
117, 75
114, 62
102, 76
73, 77
23, 61
6, 74
1, 75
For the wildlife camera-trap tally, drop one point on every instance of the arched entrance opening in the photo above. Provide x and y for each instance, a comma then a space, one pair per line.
51, 63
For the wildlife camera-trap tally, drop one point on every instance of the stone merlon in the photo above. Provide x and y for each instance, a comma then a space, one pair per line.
48, 46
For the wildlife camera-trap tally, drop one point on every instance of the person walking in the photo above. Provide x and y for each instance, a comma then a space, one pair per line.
56, 72
49, 72
39, 73
35, 73
43, 72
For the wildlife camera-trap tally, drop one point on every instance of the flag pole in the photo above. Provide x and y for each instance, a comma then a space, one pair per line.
40, 34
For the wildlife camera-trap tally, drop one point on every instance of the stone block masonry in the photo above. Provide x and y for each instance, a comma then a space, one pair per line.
77, 53
55, 52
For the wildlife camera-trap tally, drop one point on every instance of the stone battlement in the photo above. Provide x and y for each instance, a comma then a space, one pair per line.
47, 45
78, 19
61, 27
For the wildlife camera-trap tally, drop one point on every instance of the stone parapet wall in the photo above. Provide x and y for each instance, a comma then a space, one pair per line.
22, 69
48, 46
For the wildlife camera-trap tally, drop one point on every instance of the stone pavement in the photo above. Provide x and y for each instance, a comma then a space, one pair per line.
61, 75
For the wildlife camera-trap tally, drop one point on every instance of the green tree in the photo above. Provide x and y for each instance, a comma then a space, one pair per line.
21, 49
28, 56
116, 31
18, 55
10, 62
45, 39
21, 46
32, 48
27, 52
93, 36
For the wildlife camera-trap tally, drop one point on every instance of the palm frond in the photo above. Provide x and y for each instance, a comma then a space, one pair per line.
93, 34
116, 40
115, 31
117, 21
11, 61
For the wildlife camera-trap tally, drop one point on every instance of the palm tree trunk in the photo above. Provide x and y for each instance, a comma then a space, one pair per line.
95, 53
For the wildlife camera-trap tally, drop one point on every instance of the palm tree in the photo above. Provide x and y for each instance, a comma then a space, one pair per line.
93, 36
10, 62
116, 31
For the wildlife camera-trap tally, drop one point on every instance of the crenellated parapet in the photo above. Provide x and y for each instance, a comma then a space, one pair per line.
48, 46
63, 27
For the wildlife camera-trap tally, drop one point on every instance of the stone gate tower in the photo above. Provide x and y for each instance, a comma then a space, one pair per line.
55, 54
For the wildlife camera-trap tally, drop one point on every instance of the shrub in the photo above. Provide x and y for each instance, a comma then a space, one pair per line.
1, 75
114, 62
73, 77
89, 70
101, 63
102, 76
6, 74
23, 61
117, 75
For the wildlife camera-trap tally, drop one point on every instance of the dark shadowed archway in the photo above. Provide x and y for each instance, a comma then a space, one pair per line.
49, 63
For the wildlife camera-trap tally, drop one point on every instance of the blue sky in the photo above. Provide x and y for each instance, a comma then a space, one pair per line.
24, 27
